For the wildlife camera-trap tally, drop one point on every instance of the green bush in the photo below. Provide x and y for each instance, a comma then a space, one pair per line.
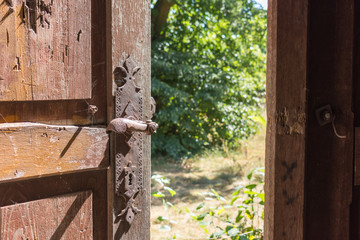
208, 75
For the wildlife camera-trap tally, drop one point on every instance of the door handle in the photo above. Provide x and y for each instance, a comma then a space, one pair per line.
127, 125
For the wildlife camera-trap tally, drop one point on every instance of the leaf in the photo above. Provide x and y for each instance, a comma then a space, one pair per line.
260, 120
170, 190
200, 206
233, 200
217, 234
261, 196
201, 216
158, 194
165, 228
162, 218
251, 186
239, 216
233, 232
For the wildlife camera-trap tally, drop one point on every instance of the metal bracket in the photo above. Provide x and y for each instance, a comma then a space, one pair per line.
129, 127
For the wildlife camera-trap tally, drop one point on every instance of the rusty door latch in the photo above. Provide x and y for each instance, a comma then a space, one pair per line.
127, 126
131, 125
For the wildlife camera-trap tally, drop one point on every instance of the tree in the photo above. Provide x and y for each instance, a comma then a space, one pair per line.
208, 72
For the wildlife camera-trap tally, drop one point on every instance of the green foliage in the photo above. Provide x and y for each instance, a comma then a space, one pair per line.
163, 192
249, 202
208, 75
233, 219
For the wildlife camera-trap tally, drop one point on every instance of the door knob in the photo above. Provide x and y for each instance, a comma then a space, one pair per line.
127, 125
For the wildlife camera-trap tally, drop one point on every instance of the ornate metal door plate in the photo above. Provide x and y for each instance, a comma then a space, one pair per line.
129, 128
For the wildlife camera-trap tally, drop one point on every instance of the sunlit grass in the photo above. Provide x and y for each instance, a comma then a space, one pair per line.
221, 170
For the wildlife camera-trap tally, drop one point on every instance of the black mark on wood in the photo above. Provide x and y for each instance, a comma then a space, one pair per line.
7, 38
17, 66
289, 170
78, 36
288, 199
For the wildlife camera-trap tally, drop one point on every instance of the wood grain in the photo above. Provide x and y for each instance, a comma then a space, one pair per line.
287, 116
357, 157
309, 170
329, 163
23, 191
70, 112
128, 31
62, 217
29, 149
45, 50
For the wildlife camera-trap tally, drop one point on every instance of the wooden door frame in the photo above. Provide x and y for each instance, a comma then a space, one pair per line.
309, 170
128, 33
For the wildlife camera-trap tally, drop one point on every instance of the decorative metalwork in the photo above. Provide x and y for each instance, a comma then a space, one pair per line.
130, 129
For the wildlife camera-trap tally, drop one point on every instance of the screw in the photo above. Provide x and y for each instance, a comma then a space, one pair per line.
326, 115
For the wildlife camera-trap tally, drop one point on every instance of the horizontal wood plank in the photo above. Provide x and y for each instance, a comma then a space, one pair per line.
62, 217
30, 149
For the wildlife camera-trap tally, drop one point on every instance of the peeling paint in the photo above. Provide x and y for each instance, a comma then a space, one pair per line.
290, 121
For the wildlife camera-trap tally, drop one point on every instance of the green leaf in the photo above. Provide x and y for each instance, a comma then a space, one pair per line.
251, 186
239, 216
170, 190
158, 194
261, 196
233, 200
162, 218
201, 216
200, 206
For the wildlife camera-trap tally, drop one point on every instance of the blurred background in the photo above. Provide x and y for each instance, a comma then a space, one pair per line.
208, 80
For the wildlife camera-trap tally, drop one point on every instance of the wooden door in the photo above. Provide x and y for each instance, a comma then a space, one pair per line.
59, 168
309, 164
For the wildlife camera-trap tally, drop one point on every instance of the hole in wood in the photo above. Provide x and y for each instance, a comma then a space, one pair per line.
78, 36
7, 38
31, 8
17, 66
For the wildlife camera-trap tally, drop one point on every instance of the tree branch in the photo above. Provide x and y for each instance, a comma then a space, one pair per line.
160, 14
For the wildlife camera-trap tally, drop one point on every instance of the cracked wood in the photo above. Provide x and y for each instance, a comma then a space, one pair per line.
43, 56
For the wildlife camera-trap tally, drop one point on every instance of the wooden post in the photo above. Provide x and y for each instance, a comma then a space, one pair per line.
286, 110
308, 168
128, 34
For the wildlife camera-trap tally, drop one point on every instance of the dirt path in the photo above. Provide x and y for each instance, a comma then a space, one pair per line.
215, 170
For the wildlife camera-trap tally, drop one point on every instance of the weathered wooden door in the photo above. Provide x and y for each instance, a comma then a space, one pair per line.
67, 68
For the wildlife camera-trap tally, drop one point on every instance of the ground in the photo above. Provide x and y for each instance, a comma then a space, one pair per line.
219, 170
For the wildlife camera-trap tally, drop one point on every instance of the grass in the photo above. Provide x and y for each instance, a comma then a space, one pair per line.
219, 170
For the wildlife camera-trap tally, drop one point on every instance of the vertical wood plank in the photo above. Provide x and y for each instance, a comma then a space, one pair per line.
309, 169
357, 157
286, 114
329, 164
128, 32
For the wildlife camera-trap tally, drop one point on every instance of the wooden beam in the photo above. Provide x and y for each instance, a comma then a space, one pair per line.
32, 149
286, 114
